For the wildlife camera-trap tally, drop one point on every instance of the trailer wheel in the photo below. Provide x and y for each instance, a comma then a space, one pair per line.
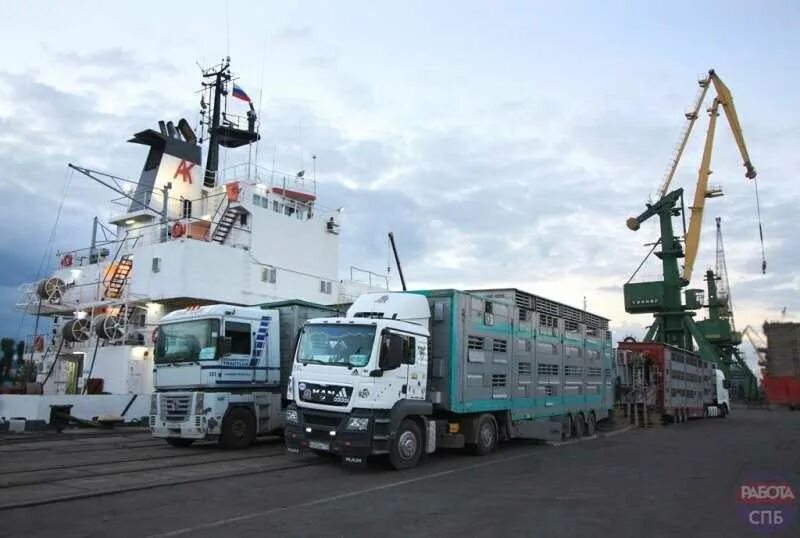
486, 440
406, 449
238, 429
580, 425
591, 424
573, 426
179, 442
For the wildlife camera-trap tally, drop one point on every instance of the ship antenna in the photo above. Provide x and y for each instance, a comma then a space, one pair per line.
272, 173
227, 31
314, 171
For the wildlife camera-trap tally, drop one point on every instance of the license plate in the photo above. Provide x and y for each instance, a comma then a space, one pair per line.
319, 445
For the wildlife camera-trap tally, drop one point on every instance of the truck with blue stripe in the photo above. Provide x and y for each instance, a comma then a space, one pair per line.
406, 373
220, 371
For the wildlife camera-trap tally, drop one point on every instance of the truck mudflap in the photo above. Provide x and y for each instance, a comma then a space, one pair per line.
323, 431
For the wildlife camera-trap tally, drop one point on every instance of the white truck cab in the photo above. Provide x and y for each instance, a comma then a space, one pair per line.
217, 375
352, 374
722, 400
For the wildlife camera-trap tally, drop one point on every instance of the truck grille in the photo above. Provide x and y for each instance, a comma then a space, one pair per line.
175, 408
321, 420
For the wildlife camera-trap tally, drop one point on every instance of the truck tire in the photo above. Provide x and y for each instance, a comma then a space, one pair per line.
406, 449
724, 411
486, 436
580, 425
591, 424
179, 442
573, 426
238, 429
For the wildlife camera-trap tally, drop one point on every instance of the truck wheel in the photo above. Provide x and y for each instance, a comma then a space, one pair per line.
591, 424
573, 426
406, 447
237, 429
580, 425
486, 440
179, 442
724, 410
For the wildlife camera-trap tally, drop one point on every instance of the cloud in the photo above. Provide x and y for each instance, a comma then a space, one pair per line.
518, 192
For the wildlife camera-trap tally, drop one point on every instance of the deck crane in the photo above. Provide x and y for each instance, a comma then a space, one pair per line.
702, 190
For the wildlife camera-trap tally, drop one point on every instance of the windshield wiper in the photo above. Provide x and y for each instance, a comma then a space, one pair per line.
312, 361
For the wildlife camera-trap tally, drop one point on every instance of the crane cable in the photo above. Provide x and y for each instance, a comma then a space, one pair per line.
760, 230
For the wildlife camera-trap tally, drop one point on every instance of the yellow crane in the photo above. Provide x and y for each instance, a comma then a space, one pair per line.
758, 343
702, 190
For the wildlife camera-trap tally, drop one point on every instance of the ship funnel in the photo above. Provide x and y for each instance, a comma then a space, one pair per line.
187, 131
170, 158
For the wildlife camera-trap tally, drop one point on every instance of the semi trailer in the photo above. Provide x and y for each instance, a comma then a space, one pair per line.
660, 383
221, 371
405, 374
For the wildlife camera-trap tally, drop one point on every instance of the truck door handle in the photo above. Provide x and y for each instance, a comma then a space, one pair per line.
404, 389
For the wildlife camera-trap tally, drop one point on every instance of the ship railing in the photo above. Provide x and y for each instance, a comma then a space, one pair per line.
369, 278
26, 295
252, 173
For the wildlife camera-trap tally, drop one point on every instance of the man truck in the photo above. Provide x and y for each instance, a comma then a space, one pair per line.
406, 373
221, 371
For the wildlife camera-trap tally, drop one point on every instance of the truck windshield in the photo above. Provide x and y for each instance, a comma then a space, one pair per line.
187, 341
341, 345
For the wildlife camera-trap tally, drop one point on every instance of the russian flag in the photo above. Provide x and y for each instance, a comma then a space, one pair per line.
239, 93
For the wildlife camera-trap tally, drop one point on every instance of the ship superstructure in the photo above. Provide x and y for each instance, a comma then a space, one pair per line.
187, 235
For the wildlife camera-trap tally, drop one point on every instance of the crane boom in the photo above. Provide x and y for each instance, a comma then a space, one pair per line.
691, 117
726, 100
702, 191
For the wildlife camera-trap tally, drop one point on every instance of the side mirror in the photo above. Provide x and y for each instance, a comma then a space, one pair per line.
224, 345
726, 383
391, 352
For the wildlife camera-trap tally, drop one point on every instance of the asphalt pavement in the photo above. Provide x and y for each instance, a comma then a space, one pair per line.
677, 480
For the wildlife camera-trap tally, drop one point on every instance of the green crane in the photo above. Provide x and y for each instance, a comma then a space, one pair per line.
673, 321
720, 329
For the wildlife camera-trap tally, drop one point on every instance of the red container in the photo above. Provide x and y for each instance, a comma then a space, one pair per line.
782, 390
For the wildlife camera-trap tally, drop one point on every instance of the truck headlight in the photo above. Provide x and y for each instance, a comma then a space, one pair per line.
358, 424
198, 403
292, 417
290, 389
154, 404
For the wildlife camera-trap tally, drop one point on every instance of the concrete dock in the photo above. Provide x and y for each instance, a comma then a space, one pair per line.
679, 480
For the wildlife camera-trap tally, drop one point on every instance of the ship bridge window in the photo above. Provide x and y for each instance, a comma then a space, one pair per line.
239, 333
269, 274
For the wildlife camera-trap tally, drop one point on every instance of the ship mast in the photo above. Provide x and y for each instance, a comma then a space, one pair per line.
220, 75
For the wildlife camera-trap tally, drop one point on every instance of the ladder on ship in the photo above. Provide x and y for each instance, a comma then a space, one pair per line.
119, 277
225, 224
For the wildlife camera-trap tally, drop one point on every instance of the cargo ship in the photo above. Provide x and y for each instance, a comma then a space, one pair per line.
186, 234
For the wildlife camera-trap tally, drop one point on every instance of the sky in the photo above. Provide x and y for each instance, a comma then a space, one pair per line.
504, 143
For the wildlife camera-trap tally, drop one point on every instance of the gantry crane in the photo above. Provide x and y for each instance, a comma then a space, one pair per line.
674, 322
